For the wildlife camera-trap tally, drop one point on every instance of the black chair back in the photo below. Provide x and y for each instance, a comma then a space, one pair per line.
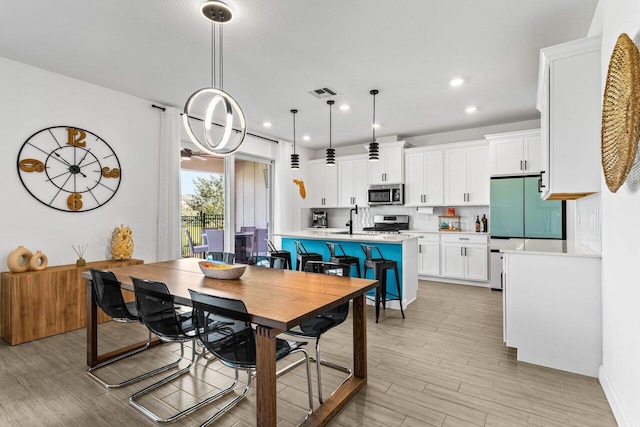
300, 249
267, 261
368, 252
330, 268
224, 329
108, 295
227, 257
156, 309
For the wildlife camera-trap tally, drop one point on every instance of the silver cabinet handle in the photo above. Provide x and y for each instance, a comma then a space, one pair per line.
525, 165
419, 249
465, 251
463, 238
521, 168
461, 251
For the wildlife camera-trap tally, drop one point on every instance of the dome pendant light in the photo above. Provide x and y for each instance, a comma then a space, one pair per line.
295, 158
204, 101
373, 145
331, 153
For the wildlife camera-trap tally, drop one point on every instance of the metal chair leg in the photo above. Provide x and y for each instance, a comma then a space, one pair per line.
92, 375
166, 380
326, 363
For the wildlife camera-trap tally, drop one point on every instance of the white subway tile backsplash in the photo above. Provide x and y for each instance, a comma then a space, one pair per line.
588, 222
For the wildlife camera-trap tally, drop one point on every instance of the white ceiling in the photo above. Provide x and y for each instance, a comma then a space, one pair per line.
275, 51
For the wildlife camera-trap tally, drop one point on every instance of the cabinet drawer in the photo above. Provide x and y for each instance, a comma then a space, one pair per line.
431, 237
464, 238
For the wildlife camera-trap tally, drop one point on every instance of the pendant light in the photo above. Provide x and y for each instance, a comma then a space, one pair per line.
373, 145
218, 14
331, 153
295, 158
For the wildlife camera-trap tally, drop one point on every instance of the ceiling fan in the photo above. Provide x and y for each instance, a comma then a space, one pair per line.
187, 154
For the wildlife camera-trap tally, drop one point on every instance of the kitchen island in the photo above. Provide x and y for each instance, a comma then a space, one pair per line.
552, 304
402, 248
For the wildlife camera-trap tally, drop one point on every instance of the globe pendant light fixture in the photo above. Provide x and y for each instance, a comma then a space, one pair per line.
215, 138
331, 153
295, 158
373, 145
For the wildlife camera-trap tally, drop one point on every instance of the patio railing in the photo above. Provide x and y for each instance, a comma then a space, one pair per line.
195, 224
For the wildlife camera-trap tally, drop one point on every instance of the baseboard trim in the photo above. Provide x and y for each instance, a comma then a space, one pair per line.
612, 397
454, 281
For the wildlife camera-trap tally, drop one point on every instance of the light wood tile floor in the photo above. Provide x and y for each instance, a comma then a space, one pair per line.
444, 365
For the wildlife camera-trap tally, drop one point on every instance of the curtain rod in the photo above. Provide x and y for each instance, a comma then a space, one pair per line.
237, 130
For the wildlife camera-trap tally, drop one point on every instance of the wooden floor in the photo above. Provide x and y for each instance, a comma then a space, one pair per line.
444, 365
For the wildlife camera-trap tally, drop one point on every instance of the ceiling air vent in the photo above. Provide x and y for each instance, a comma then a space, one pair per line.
323, 93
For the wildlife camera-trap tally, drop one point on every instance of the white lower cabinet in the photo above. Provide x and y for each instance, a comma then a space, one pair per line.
464, 257
429, 255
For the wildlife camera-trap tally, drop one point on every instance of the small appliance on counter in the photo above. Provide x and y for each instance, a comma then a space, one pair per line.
319, 219
389, 224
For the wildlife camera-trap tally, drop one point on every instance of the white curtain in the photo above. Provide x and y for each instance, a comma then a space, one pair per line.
169, 239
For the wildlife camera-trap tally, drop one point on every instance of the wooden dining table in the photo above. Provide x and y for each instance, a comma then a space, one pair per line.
276, 300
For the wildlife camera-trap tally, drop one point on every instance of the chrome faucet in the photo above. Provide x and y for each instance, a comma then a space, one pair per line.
350, 223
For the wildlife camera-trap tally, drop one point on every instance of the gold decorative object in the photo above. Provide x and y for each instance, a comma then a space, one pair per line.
121, 243
18, 260
300, 184
80, 252
621, 113
38, 261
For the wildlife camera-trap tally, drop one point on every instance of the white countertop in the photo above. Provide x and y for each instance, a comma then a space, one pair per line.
543, 247
443, 232
358, 236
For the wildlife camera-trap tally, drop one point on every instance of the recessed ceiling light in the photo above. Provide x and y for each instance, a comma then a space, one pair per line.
306, 137
345, 107
266, 124
456, 82
376, 125
471, 109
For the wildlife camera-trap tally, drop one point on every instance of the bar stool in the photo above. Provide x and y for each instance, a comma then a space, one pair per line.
344, 258
380, 266
286, 255
303, 256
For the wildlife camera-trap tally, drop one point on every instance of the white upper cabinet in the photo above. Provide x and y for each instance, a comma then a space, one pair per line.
322, 185
390, 168
352, 181
515, 153
424, 177
466, 174
570, 103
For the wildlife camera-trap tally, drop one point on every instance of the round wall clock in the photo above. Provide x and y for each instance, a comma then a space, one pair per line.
69, 169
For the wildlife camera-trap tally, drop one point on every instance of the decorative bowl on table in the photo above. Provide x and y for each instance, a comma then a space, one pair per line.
221, 270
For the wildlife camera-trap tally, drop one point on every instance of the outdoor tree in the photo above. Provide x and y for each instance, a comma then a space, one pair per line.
209, 195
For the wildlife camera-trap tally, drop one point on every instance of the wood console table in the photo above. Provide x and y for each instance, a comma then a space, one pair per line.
38, 304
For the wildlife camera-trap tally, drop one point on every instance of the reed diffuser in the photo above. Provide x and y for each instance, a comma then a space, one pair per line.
80, 252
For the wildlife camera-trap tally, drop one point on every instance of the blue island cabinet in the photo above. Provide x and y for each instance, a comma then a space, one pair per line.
402, 249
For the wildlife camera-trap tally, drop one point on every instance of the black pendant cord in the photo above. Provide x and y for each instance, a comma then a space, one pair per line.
221, 57
213, 55
330, 127
374, 119
294, 130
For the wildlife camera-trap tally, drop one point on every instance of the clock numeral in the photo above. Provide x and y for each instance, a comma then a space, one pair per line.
113, 173
74, 201
31, 165
76, 137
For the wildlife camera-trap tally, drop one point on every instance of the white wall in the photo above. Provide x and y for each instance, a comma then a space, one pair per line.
620, 374
32, 99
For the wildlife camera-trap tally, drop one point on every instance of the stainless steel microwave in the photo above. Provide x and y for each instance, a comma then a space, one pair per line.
391, 194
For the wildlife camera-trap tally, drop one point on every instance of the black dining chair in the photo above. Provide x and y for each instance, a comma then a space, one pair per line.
234, 343
227, 257
316, 326
107, 295
267, 261
279, 253
157, 311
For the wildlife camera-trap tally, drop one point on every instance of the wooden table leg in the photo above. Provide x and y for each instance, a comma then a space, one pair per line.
92, 327
266, 376
359, 338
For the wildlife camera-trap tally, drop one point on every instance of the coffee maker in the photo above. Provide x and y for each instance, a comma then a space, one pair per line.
319, 219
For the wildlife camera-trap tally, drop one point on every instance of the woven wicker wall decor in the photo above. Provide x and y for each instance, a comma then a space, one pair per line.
621, 113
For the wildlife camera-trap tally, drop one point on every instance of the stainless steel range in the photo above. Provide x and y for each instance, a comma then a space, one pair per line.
390, 224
